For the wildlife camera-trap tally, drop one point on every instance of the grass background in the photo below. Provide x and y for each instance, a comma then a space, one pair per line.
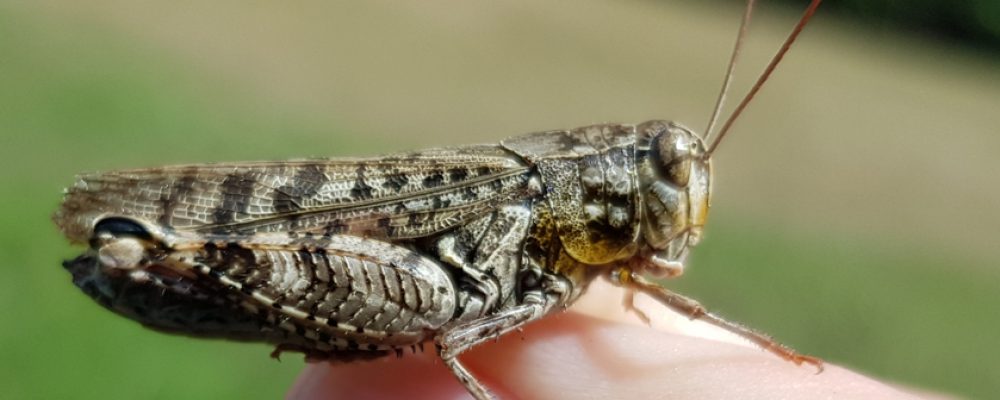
854, 211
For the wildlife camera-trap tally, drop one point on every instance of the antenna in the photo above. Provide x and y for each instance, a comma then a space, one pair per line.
730, 71
764, 76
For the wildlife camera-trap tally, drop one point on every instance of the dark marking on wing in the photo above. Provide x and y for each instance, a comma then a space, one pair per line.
439, 187
361, 189
458, 174
396, 181
308, 181
182, 188
435, 179
237, 192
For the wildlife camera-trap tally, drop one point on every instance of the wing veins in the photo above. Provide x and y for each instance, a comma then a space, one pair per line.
363, 203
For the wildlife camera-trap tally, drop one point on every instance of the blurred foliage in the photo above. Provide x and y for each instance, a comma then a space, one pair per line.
971, 22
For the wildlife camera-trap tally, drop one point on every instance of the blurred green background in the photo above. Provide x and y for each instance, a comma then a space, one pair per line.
970, 23
854, 211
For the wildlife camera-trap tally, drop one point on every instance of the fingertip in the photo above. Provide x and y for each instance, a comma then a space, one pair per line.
572, 356
576, 357
413, 376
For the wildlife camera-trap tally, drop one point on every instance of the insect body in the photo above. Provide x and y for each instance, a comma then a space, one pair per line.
358, 258
373, 254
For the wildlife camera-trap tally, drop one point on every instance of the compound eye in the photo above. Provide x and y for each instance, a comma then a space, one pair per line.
679, 172
120, 227
675, 151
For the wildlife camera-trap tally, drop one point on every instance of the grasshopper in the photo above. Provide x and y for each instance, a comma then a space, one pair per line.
358, 258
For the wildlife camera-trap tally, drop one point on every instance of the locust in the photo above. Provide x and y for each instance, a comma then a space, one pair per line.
347, 259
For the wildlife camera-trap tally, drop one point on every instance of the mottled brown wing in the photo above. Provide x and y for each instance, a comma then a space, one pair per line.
396, 196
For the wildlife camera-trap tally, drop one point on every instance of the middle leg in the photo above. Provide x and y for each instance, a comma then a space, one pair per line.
459, 338
487, 251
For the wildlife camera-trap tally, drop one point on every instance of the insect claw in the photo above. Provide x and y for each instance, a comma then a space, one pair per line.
629, 302
276, 353
819, 368
697, 312
792, 356
814, 361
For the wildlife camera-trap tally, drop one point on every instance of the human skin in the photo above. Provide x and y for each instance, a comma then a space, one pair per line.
596, 351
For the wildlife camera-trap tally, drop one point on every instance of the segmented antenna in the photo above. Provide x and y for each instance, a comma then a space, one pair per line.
731, 70
763, 77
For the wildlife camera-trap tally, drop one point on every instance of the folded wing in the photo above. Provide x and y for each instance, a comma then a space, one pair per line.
397, 196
